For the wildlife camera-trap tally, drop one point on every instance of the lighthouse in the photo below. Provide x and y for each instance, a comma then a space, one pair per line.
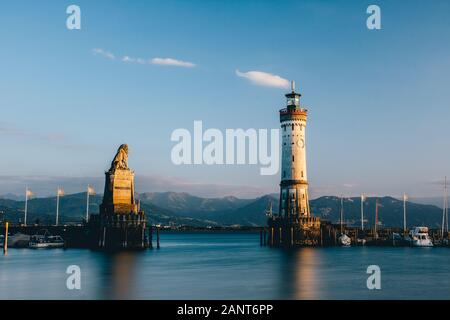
294, 198
293, 225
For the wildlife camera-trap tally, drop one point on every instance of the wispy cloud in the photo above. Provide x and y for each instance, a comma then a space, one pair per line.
172, 62
129, 59
19, 135
261, 78
156, 61
14, 131
104, 53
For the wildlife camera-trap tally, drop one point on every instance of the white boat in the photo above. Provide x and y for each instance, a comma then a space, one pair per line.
46, 241
345, 240
419, 237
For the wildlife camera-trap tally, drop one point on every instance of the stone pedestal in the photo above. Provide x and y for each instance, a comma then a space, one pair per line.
118, 197
120, 224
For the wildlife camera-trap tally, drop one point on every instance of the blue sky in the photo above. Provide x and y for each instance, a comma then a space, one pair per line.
378, 100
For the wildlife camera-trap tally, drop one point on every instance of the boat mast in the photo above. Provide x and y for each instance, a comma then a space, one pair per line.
57, 206
26, 207
342, 214
376, 218
444, 210
446, 203
405, 197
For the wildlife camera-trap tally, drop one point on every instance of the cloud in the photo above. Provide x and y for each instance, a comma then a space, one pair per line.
172, 62
156, 61
14, 131
261, 78
103, 53
129, 59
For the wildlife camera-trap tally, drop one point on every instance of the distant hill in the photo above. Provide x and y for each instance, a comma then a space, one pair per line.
390, 213
170, 208
185, 204
12, 196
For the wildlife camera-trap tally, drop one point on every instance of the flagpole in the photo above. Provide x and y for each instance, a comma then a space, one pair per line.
26, 207
87, 204
443, 210
57, 206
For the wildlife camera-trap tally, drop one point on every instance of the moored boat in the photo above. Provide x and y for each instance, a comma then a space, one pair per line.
419, 237
345, 240
18, 240
45, 240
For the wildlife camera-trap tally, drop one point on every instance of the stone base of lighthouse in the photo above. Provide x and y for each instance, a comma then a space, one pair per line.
296, 232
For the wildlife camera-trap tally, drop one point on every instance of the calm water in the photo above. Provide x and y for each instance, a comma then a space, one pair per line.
226, 266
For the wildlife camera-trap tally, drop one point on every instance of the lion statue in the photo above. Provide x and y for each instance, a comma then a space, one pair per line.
121, 159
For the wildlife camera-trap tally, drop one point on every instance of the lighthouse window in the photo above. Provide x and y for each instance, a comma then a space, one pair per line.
292, 127
284, 127
302, 174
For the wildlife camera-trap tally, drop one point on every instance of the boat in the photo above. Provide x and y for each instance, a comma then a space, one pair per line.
419, 237
343, 240
18, 240
361, 241
39, 241
400, 241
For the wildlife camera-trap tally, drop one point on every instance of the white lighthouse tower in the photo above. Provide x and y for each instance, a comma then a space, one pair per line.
294, 225
294, 198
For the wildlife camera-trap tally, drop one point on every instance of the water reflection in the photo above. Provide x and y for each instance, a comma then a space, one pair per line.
300, 279
118, 275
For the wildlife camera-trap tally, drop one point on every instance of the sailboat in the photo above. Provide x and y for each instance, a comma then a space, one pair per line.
343, 239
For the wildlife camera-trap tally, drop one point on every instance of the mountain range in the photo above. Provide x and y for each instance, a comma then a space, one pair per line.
171, 208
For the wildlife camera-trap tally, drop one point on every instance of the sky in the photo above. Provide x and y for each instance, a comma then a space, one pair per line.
378, 100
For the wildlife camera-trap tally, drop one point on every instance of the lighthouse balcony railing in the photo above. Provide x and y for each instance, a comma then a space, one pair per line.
294, 111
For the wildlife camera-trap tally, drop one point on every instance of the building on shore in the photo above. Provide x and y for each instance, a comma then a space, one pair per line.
293, 225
